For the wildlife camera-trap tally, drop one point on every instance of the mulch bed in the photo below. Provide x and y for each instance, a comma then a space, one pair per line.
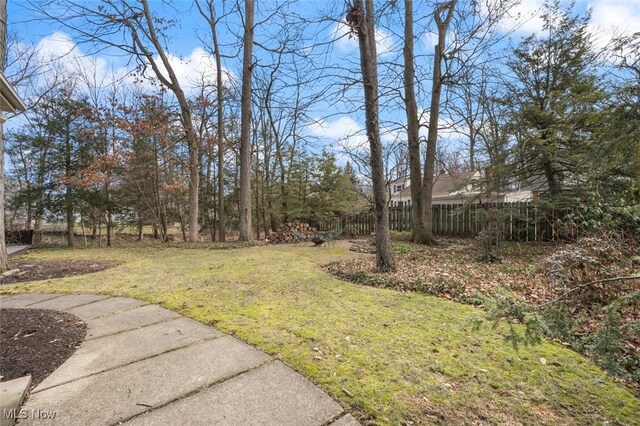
33, 270
36, 342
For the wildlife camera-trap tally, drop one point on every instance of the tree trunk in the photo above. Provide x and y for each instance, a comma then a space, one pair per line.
140, 228
182, 228
434, 114
210, 16
220, 96
164, 228
109, 215
3, 59
185, 112
70, 227
362, 20
4, 265
39, 214
418, 232
109, 227
245, 126
68, 192
194, 180
84, 231
472, 150
209, 193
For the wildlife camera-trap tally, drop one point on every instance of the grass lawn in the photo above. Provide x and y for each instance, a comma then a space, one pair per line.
391, 357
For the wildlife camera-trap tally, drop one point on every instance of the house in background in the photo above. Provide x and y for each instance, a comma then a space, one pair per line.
458, 188
400, 192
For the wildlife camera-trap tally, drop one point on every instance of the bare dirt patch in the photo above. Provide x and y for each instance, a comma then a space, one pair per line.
36, 342
23, 270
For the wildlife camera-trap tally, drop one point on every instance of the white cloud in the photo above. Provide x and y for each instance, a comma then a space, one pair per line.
344, 130
349, 133
344, 39
430, 39
348, 42
384, 42
613, 17
609, 17
59, 50
197, 68
525, 17
390, 135
335, 129
57, 46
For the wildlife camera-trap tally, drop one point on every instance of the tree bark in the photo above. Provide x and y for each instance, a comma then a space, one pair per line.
245, 126
220, 95
4, 265
68, 192
140, 228
210, 16
418, 232
185, 112
3, 59
434, 113
109, 215
361, 19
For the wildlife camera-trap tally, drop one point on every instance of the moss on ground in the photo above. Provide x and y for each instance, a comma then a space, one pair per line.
391, 357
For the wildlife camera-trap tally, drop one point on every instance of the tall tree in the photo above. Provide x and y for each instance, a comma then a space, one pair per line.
466, 32
3, 61
245, 125
62, 139
418, 231
148, 164
554, 92
442, 16
361, 20
212, 20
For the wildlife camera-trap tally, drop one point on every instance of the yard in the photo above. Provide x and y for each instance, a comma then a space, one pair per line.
391, 357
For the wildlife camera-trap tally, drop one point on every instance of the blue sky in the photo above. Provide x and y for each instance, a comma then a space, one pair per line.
331, 119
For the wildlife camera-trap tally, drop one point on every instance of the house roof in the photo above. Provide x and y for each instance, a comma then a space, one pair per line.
9, 99
444, 186
534, 183
399, 180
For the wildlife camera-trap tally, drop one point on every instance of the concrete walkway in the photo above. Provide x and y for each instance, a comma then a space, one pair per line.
141, 364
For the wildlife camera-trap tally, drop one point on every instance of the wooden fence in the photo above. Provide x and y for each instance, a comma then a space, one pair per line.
520, 221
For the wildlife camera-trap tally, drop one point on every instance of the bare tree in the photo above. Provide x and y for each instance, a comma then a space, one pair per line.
466, 31
3, 60
245, 125
418, 231
443, 15
212, 20
360, 18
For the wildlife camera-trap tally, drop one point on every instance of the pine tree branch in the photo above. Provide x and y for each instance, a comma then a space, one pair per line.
602, 281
